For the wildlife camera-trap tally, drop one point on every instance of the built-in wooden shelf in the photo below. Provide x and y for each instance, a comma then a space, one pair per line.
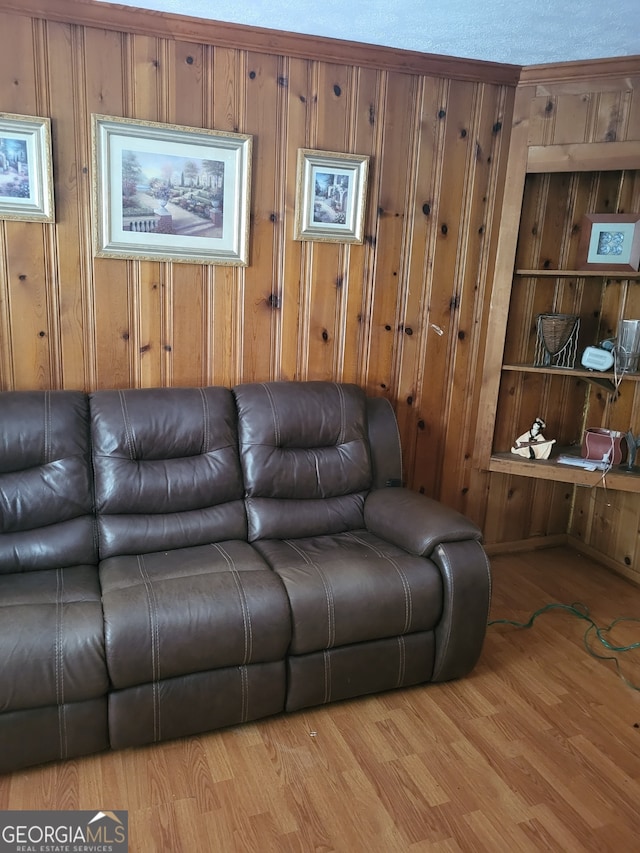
605, 379
547, 469
617, 274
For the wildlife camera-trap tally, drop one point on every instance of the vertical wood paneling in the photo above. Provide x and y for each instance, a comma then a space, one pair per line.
264, 100
388, 322
185, 344
331, 130
7, 378
405, 314
18, 65
400, 314
73, 234
447, 297
225, 73
418, 261
29, 303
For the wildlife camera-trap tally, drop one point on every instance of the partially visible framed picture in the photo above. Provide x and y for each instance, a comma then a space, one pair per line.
26, 176
610, 242
170, 193
331, 190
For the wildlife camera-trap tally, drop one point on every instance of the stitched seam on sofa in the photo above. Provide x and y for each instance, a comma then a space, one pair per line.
152, 609
402, 661
343, 414
244, 693
447, 564
59, 665
128, 431
246, 614
328, 593
317, 467
205, 413
47, 427
276, 423
408, 599
327, 676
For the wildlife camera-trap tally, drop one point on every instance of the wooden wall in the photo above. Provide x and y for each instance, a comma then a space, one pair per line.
575, 147
412, 314
404, 314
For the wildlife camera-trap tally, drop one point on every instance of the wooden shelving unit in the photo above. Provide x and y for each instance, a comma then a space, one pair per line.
548, 469
601, 298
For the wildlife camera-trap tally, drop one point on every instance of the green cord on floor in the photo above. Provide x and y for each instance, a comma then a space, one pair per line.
581, 611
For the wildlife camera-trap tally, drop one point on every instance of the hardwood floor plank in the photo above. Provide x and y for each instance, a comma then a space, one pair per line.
538, 749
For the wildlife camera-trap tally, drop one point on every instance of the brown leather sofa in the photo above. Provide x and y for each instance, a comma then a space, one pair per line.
175, 560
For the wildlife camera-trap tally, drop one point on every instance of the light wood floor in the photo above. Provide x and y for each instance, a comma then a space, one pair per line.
539, 749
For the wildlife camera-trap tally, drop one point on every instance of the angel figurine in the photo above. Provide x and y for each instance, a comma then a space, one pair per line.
533, 444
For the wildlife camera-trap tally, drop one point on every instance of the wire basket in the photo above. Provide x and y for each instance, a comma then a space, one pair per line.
557, 340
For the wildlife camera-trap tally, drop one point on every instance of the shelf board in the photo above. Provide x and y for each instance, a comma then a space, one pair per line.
605, 379
620, 275
547, 469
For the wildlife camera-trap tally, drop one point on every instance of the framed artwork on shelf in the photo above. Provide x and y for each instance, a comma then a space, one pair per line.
170, 193
610, 242
26, 174
331, 190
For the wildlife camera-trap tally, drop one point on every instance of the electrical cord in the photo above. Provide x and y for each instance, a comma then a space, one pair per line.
581, 611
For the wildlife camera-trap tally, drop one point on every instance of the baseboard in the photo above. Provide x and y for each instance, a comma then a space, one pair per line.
624, 571
533, 544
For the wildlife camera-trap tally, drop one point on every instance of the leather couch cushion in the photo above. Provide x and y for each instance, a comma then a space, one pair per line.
334, 674
56, 732
51, 638
189, 610
193, 703
353, 587
166, 468
46, 500
303, 442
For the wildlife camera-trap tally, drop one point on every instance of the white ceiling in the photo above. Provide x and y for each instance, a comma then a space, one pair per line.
521, 32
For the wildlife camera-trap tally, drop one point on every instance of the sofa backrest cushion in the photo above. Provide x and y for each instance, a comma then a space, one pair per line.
167, 473
305, 457
46, 498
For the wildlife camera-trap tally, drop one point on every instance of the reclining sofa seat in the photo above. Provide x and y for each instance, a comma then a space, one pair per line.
387, 588
196, 625
53, 675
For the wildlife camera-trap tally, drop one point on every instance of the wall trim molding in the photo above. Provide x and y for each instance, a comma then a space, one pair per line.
111, 16
589, 69
581, 547
534, 543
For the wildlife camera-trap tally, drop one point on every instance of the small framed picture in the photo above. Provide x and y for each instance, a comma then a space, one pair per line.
331, 190
170, 193
26, 176
610, 242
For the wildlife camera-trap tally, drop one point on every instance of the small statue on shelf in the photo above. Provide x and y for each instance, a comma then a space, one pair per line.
533, 444
633, 445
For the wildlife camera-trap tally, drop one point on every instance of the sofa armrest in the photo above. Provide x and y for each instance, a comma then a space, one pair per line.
425, 527
466, 578
415, 522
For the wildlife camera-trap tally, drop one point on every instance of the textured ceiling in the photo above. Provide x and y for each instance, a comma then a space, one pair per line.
511, 31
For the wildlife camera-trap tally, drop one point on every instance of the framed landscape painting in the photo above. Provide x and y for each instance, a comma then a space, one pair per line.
170, 193
331, 190
26, 178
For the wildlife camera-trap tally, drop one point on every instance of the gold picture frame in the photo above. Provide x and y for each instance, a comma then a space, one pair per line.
331, 191
26, 174
610, 241
167, 192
